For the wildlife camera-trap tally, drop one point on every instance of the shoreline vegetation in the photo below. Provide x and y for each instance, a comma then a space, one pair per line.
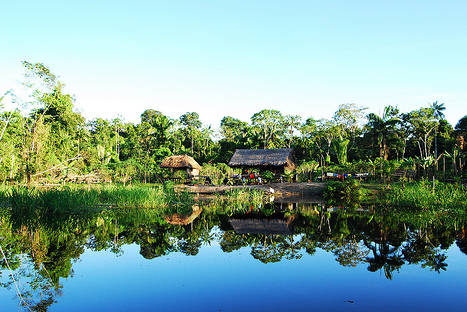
44, 141
418, 195
427, 195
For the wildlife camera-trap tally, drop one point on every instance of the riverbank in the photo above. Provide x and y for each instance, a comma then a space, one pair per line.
299, 190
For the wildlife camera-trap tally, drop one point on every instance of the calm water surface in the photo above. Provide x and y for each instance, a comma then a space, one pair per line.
297, 259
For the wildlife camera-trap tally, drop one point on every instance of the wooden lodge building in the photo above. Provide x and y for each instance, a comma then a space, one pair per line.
275, 160
182, 162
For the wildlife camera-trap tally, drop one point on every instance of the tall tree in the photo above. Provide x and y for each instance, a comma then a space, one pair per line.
346, 120
192, 124
461, 127
423, 125
269, 124
438, 109
292, 123
381, 127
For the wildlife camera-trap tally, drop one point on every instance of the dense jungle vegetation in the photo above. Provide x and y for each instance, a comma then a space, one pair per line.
44, 140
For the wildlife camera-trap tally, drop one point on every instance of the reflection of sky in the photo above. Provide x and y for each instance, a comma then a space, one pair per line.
218, 281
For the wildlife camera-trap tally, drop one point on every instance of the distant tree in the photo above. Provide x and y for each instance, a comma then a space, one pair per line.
348, 117
269, 124
438, 109
423, 125
381, 127
192, 124
461, 127
309, 143
292, 123
233, 129
346, 120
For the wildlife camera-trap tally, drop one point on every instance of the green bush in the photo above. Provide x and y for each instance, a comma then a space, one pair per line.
307, 170
267, 176
347, 192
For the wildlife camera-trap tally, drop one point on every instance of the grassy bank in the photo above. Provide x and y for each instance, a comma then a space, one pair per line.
422, 195
413, 195
75, 197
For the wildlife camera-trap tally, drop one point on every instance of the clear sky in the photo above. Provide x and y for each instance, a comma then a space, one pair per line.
235, 58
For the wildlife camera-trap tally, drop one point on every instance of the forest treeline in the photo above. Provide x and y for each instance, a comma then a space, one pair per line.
44, 139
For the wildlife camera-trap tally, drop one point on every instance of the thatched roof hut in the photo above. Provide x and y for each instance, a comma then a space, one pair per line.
267, 158
182, 162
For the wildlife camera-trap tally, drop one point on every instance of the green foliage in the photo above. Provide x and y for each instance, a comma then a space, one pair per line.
45, 141
340, 147
238, 200
347, 192
422, 195
306, 171
76, 197
267, 176
218, 172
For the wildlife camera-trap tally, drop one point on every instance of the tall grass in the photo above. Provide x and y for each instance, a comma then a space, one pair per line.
76, 197
237, 201
251, 197
422, 195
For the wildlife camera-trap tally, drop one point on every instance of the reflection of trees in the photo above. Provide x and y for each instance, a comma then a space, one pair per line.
266, 247
384, 241
272, 248
384, 256
42, 250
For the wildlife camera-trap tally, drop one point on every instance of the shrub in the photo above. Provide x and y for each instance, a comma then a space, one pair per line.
347, 192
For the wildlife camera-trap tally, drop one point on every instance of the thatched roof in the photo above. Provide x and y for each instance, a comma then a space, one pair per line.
262, 157
180, 161
260, 226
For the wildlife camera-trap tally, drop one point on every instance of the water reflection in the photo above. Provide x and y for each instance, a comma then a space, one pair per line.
41, 250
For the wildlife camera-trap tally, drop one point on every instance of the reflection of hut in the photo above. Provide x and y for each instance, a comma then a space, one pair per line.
262, 226
271, 159
182, 162
178, 219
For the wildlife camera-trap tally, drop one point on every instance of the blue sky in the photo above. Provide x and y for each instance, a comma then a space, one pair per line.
237, 57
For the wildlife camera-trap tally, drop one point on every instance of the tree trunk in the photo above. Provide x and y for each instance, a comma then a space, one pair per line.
436, 150
420, 149
192, 144
386, 150
28, 175
454, 164
12, 165
444, 167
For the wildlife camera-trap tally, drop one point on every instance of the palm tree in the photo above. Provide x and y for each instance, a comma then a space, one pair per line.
382, 126
439, 115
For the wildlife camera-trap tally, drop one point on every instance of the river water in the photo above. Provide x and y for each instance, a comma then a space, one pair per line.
294, 258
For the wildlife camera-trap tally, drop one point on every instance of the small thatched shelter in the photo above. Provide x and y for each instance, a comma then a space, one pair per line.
182, 162
272, 159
